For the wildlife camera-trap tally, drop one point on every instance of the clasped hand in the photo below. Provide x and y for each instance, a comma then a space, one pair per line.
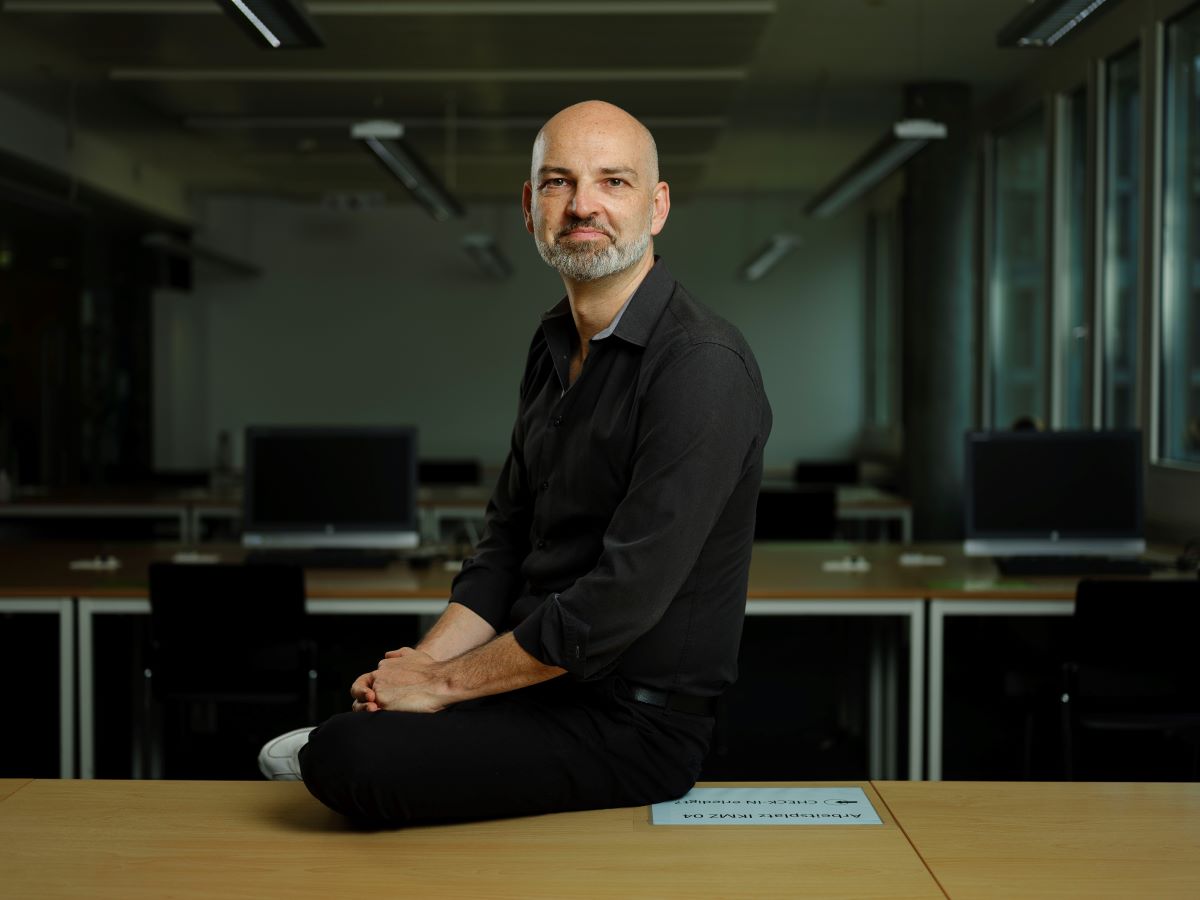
407, 680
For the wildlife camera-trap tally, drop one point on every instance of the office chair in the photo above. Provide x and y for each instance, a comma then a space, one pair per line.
224, 641
1131, 673
802, 513
837, 471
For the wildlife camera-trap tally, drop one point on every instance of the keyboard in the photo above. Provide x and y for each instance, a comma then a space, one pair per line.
324, 558
1072, 565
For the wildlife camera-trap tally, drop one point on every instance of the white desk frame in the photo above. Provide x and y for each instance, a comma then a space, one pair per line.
64, 608
939, 611
882, 699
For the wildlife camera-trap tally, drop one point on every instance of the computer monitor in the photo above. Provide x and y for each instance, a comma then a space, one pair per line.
343, 487
1054, 493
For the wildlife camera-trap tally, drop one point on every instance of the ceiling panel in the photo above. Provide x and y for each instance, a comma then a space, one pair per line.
741, 94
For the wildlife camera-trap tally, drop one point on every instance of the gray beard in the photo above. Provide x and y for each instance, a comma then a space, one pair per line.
592, 260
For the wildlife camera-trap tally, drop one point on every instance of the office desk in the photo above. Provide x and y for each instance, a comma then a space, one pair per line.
441, 502
784, 580
131, 839
271, 839
9, 786
171, 506
1043, 839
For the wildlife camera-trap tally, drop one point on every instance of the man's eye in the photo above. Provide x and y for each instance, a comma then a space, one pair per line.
554, 182
616, 182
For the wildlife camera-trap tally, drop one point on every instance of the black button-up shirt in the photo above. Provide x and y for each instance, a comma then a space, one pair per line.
618, 537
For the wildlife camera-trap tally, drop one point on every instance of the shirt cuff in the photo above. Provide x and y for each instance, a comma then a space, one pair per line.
483, 596
555, 637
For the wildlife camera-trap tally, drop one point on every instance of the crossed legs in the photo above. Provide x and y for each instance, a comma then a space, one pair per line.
552, 747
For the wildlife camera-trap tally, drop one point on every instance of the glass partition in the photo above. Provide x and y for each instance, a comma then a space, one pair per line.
1119, 277
1072, 319
1179, 338
1017, 314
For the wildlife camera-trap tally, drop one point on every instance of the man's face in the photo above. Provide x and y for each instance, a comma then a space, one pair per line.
591, 204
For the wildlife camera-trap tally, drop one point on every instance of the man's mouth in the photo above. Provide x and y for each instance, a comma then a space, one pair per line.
584, 233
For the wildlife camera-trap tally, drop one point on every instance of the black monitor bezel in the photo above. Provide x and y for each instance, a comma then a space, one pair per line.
254, 433
1130, 436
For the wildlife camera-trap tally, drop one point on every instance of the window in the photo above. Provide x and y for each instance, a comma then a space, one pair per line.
1179, 336
1119, 277
1072, 330
1017, 315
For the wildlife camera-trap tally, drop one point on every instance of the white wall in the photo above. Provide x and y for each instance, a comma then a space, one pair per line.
378, 316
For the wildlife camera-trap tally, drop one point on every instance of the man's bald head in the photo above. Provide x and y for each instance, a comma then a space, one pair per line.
603, 125
593, 202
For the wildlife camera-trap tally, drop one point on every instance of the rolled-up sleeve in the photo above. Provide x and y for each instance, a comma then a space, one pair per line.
490, 579
700, 423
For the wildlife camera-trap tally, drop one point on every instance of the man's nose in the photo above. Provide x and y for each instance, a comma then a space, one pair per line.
584, 201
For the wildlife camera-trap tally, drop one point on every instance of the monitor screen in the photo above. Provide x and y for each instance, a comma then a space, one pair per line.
1054, 493
331, 487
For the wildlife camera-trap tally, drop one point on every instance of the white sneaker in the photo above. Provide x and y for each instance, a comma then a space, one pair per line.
279, 758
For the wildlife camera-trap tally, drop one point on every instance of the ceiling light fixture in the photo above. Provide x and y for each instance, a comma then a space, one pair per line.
888, 154
276, 24
485, 253
779, 246
1046, 22
386, 140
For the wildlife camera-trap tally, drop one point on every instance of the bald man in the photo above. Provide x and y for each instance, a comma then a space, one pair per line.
578, 660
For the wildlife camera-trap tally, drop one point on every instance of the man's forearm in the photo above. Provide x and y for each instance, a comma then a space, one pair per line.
411, 680
500, 665
455, 632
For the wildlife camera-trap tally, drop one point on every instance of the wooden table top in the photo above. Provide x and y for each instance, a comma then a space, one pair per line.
132, 839
9, 786
1036, 839
777, 571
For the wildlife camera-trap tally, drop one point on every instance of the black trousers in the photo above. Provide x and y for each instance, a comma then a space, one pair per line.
557, 746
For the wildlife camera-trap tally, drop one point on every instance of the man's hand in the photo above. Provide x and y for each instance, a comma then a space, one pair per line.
407, 680
363, 694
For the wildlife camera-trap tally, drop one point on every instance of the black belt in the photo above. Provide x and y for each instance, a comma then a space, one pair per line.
688, 703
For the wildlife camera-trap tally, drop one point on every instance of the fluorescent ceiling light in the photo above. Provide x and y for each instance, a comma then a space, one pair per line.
386, 140
486, 255
779, 246
888, 154
1046, 22
274, 23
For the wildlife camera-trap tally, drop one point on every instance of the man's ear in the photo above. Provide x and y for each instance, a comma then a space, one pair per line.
662, 207
527, 205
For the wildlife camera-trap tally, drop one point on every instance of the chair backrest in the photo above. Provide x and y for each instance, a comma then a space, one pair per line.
1137, 635
807, 513
222, 606
834, 471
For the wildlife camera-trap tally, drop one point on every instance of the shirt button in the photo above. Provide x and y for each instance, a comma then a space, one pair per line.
557, 420
545, 485
541, 545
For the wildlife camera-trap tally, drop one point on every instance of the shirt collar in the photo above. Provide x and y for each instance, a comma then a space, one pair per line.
612, 326
635, 321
